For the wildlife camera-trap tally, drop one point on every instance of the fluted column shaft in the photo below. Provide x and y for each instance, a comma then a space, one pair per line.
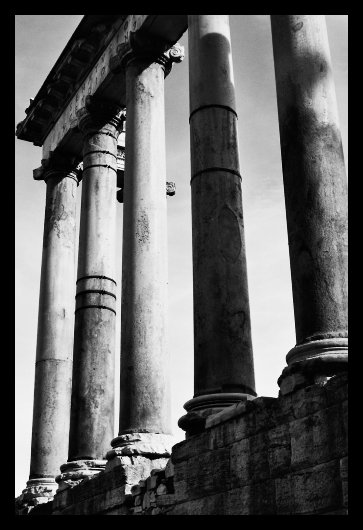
223, 360
144, 385
315, 185
92, 410
53, 369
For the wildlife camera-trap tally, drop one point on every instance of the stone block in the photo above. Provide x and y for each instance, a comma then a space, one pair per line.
181, 491
136, 490
279, 450
284, 495
217, 436
311, 490
226, 414
161, 489
146, 501
263, 411
208, 473
138, 500
165, 500
254, 499
208, 505
262, 498
317, 438
169, 469
120, 510
284, 411
249, 460
152, 482
337, 388
195, 445
309, 400
344, 479
236, 501
130, 470
345, 418
114, 497
158, 472
291, 383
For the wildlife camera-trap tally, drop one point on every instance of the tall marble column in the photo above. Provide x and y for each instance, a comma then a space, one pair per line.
92, 407
144, 383
315, 192
223, 360
53, 368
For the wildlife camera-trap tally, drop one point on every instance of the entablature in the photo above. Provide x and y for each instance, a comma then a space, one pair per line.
85, 68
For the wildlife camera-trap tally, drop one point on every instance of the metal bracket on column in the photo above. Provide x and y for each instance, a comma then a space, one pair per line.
170, 187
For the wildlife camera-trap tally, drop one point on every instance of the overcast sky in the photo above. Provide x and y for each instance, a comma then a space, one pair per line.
39, 41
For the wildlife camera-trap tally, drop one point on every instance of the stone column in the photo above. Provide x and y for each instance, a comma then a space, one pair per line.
92, 407
223, 360
53, 368
315, 194
144, 383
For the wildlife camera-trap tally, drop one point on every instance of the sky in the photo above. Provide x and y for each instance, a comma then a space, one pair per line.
39, 40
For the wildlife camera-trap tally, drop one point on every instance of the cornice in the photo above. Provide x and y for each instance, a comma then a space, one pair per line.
84, 48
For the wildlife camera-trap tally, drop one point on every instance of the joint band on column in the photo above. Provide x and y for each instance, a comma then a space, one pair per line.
97, 277
100, 151
95, 306
210, 169
88, 135
97, 291
213, 106
99, 165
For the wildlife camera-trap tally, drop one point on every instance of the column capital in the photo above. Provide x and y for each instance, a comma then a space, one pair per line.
98, 114
59, 165
145, 48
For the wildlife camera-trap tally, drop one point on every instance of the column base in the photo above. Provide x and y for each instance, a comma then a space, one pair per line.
200, 407
312, 363
141, 443
137, 454
37, 491
73, 473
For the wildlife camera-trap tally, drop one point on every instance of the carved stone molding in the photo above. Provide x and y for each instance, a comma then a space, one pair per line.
99, 113
142, 47
59, 165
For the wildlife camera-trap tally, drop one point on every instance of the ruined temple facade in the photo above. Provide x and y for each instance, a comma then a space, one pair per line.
242, 454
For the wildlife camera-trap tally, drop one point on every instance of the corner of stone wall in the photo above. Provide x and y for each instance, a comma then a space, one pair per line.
277, 456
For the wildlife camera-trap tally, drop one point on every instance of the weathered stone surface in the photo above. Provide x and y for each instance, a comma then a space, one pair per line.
279, 450
154, 445
314, 176
211, 505
223, 349
318, 437
169, 469
53, 370
133, 469
151, 482
344, 479
92, 405
192, 447
208, 473
310, 490
295, 463
144, 387
249, 460
161, 489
